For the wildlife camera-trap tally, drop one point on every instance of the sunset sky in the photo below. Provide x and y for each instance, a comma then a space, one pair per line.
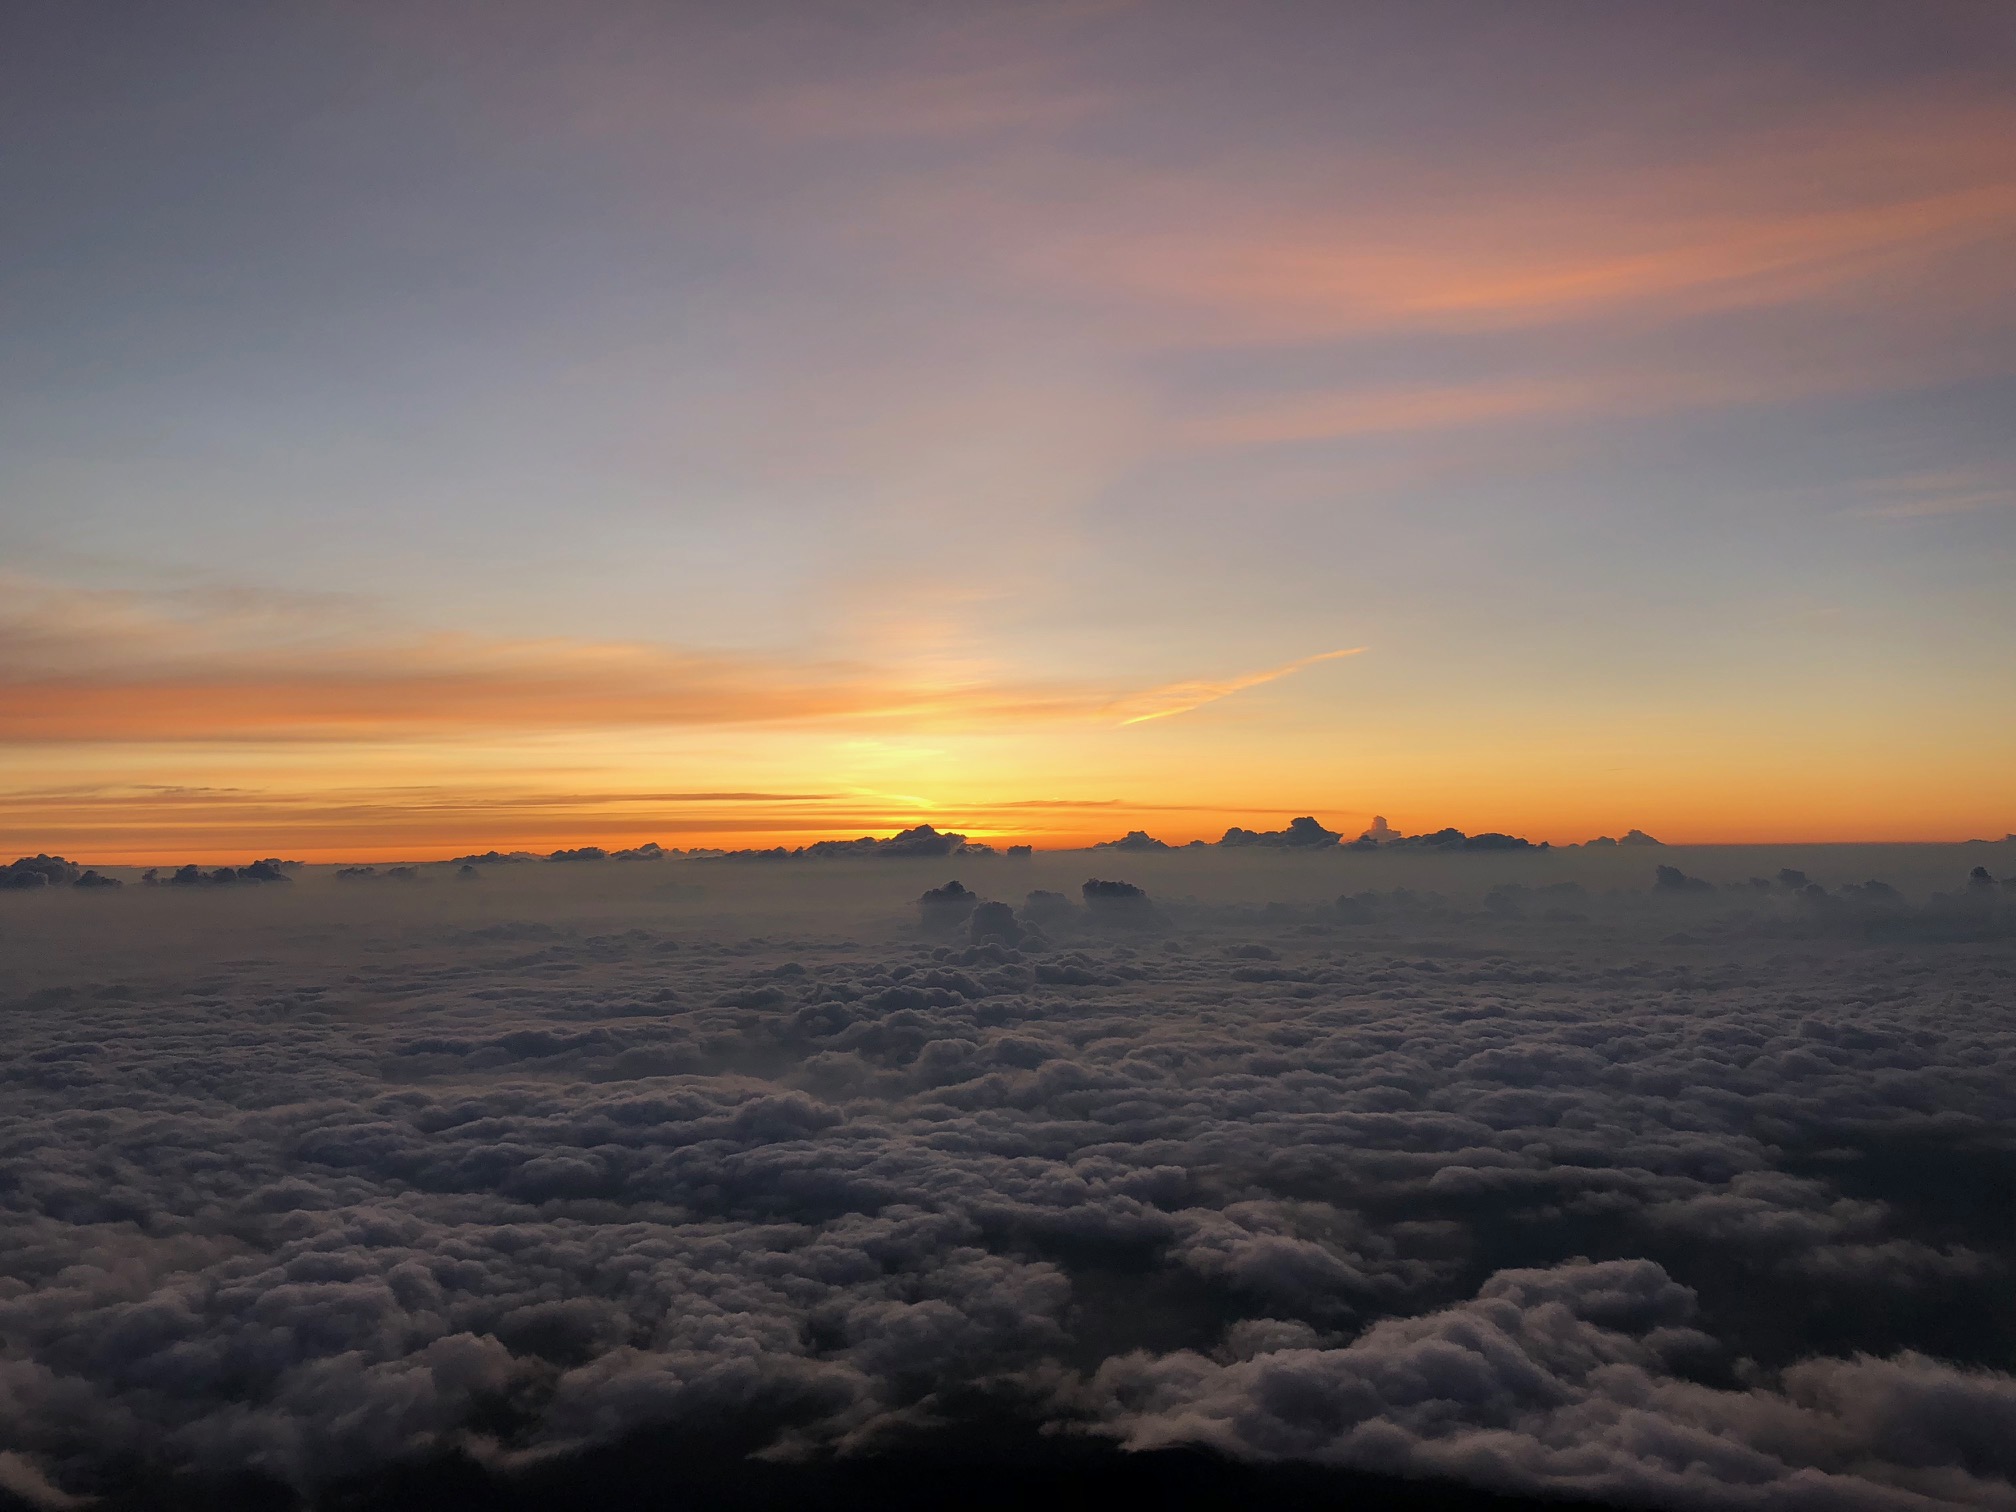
429, 427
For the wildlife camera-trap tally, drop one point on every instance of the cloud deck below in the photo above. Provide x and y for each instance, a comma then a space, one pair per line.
527, 1202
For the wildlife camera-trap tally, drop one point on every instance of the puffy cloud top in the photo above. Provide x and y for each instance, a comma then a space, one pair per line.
1299, 833
1533, 1194
27, 873
1134, 840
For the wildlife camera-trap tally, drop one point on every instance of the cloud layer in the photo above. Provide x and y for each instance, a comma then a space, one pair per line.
1566, 1204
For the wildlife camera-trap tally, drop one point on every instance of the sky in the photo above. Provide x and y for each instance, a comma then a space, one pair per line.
439, 426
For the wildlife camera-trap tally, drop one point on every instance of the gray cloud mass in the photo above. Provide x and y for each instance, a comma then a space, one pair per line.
1536, 1201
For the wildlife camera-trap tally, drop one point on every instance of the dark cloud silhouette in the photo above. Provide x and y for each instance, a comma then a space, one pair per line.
650, 850
947, 907
1112, 892
1455, 840
1133, 840
28, 873
1299, 833
1670, 879
1491, 840
220, 876
994, 921
1118, 903
1047, 909
921, 841
39, 872
1442, 839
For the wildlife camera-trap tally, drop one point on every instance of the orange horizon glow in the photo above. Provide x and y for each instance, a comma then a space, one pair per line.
987, 418
144, 743
356, 829
136, 742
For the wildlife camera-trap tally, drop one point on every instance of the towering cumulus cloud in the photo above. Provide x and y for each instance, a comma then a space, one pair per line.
1563, 1203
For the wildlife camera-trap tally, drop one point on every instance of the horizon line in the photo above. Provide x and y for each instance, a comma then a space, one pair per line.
996, 850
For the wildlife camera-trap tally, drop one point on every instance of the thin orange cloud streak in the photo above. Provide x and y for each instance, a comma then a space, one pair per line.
115, 678
147, 825
1810, 213
390, 703
1712, 261
1344, 413
1181, 698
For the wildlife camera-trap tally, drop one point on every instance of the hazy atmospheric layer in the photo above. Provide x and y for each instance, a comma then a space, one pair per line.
1518, 1170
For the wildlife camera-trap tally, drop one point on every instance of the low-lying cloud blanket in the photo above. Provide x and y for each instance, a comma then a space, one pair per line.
1638, 1200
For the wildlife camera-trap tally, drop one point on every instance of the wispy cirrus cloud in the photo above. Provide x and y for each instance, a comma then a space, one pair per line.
109, 667
351, 816
1620, 389
1299, 251
1182, 697
1922, 495
1314, 275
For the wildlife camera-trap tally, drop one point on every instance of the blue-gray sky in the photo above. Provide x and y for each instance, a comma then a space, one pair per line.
896, 402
